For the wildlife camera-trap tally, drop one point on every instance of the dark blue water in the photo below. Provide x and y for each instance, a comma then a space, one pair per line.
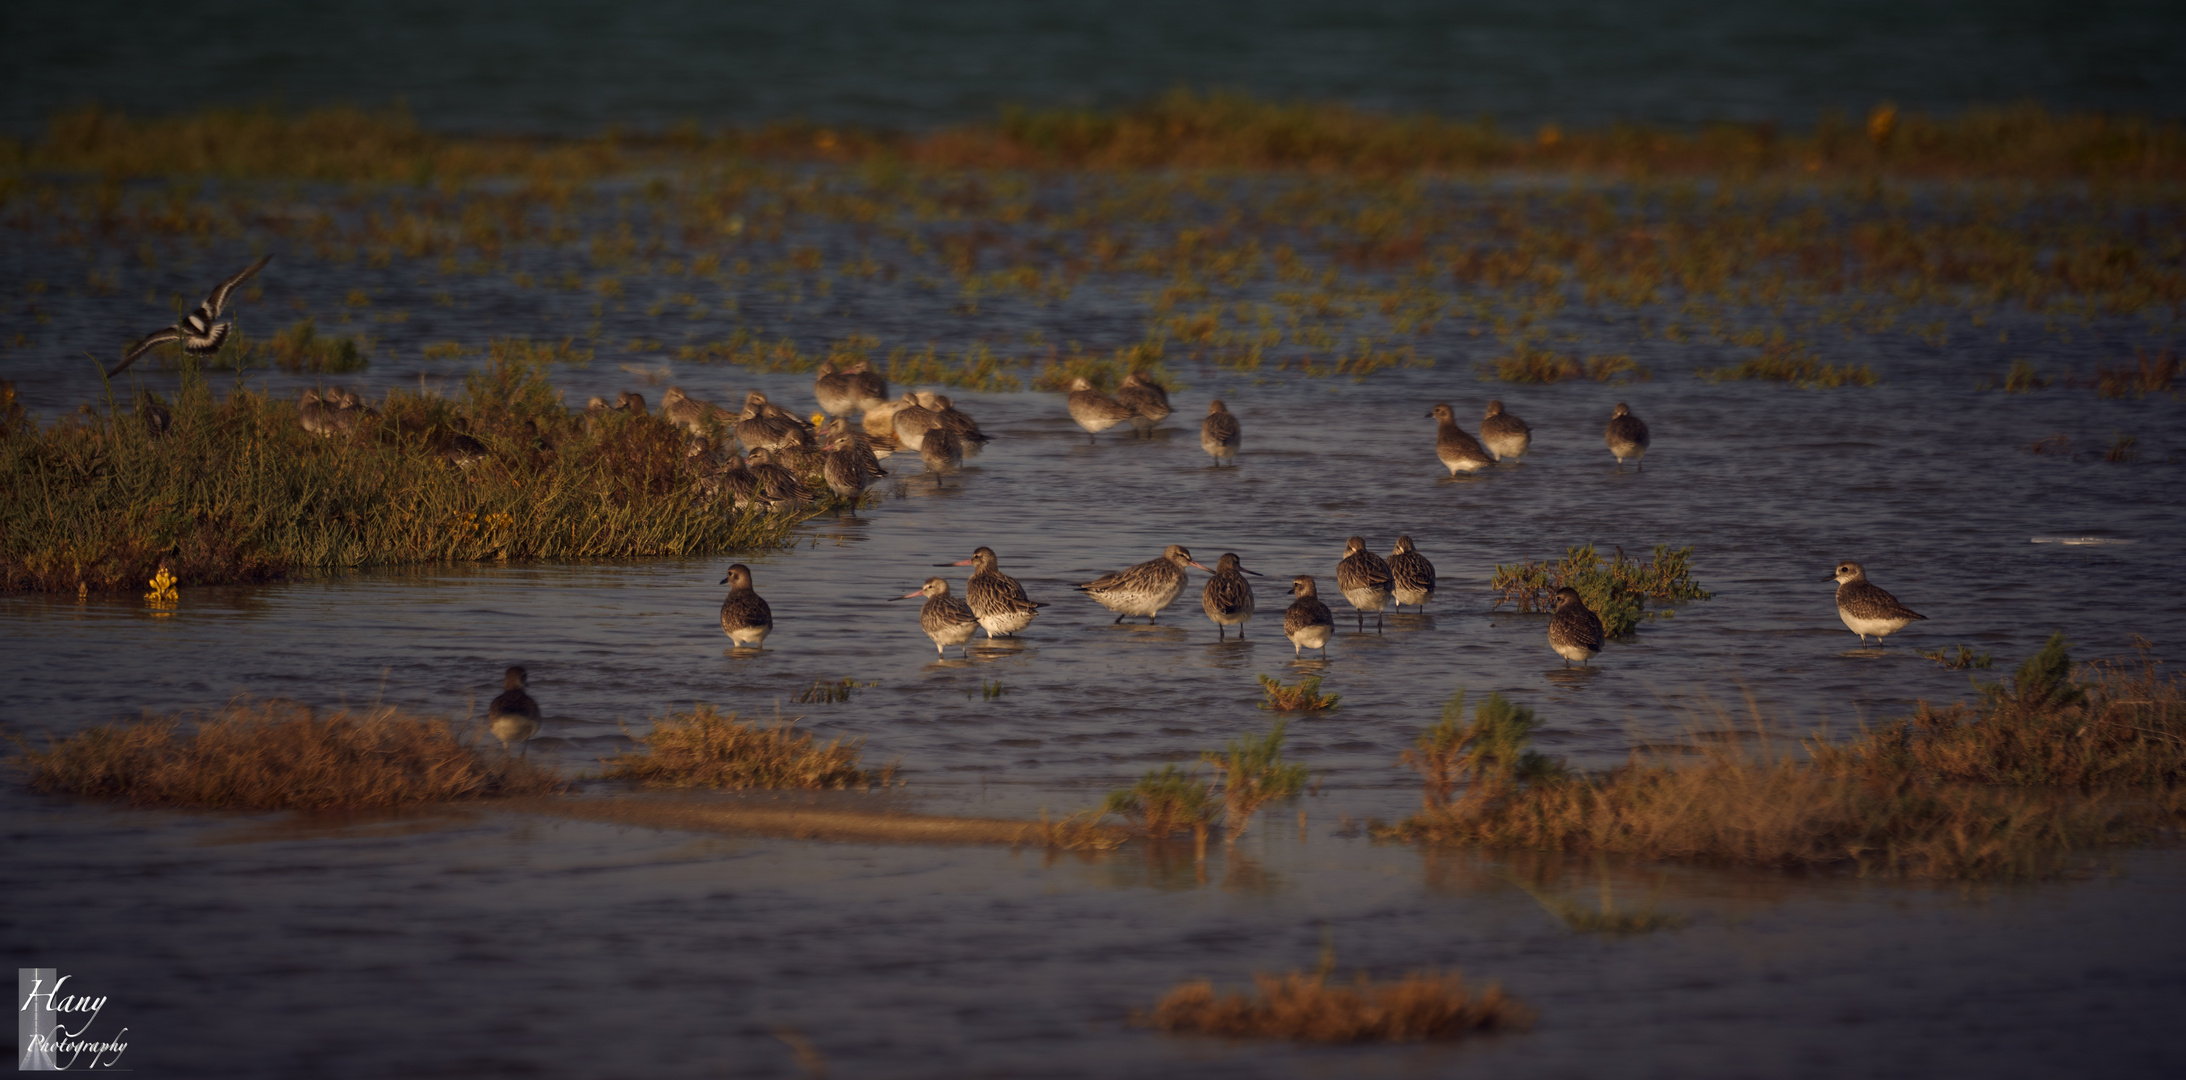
569, 67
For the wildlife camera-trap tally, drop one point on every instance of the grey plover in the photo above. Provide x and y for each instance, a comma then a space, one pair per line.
1865, 608
513, 717
855, 388
737, 482
1574, 631
1307, 622
912, 421
1364, 580
1503, 434
1219, 434
955, 419
996, 599
1094, 411
946, 619
744, 616
692, 414
1227, 599
1458, 451
198, 333
1143, 589
1147, 400
1626, 435
316, 416
1411, 576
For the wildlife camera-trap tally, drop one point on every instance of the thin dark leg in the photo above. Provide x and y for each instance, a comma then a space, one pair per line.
1119, 619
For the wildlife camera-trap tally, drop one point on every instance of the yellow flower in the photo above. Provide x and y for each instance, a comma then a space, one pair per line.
163, 588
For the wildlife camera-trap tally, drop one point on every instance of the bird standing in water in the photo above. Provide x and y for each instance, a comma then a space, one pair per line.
513, 716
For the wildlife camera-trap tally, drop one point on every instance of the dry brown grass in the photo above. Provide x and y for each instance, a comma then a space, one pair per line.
705, 748
280, 755
1304, 1008
1303, 696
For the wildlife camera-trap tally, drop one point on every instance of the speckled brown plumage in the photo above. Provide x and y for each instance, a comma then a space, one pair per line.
1574, 631
1457, 450
1227, 597
1307, 622
1363, 579
1411, 576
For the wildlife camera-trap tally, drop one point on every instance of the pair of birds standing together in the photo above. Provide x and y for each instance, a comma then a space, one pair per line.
993, 600
1504, 435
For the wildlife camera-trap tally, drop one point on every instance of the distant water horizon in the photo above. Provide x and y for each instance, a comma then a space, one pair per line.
564, 68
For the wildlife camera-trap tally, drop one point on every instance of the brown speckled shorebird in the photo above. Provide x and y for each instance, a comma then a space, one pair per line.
1227, 599
693, 415
1866, 608
513, 717
1364, 580
941, 451
1458, 451
1626, 435
758, 431
757, 399
847, 472
996, 598
1219, 434
198, 333
739, 485
1503, 434
1148, 401
955, 419
912, 421
1143, 589
855, 388
946, 619
1411, 576
1094, 411
744, 616
1575, 632
316, 416
1307, 622
779, 488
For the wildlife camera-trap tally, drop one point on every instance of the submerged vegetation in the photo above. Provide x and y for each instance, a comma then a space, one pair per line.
1303, 696
1618, 592
1249, 773
277, 756
705, 748
1306, 1008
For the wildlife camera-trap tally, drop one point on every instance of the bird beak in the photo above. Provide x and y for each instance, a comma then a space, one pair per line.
723, 581
907, 596
1831, 577
1196, 565
959, 562
1254, 573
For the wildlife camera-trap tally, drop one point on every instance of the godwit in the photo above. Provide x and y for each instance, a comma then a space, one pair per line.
1503, 434
1094, 411
1574, 631
1364, 580
912, 421
1307, 622
1865, 608
853, 389
694, 415
945, 619
513, 716
758, 431
1147, 400
1411, 576
744, 616
996, 598
1227, 599
316, 416
1626, 436
779, 488
1143, 589
940, 450
955, 419
197, 331
1219, 435
1458, 451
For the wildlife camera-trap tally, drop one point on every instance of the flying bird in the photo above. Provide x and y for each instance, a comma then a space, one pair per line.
197, 331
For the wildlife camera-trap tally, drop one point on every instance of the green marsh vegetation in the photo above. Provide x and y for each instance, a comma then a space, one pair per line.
707, 748
1307, 1007
1248, 773
234, 490
1617, 591
1303, 696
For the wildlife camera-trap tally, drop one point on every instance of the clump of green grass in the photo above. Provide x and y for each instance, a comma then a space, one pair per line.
1253, 773
1528, 364
1792, 362
1304, 1007
1303, 696
2122, 449
1164, 802
823, 692
989, 689
1488, 751
1960, 660
2022, 378
279, 755
1605, 917
705, 748
300, 348
1618, 592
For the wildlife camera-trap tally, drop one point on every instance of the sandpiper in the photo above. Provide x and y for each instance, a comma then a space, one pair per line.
1364, 580
1094, 411
1574, 631
1626, 435
1459, 451
513, 716
779, 488
996, 598
316, 416
197, 331
156, 418
955, 419
1865, 608
1147, 400
1307, 622
1227, 599
946, 619
913, 421
846, 472
744, 616
694, 415
1143, 589
758, 431
1411, 576
941, 451
855, 388
1219, 435
737, 481
1503, 434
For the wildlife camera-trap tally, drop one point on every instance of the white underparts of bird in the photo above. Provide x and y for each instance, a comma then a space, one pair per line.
199, 334
1227, 597
947, 620
1626, 435
1575, 632
1307, 622
1866, 608
1094, 411
1503, 434
1457, 450
1219, 434
513, 716
996, 598
744, 616
1143, 589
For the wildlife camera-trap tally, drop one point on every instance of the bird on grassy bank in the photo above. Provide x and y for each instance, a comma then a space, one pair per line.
458, 447
744, 616
1458, 451
1626, 435
513, 716
996, 598
321, 417
1503, 434
1411, 576
1219, 435
736, 482
945, 619
955, 419
1147, 400
155, 417
1227, 598
758, 431
1575, 632
1364, 580
1143, 589
854, 388
198, 333
1866, 608
757, 399
846, 471
857, 443
692, 414
779, 488
1307, 622
1094, 411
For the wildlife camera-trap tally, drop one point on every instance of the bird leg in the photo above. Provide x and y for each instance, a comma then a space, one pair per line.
1119, 619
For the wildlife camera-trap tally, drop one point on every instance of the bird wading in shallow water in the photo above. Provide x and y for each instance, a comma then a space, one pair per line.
1094, 411
1147, 400
1219, 434
1307, 622
1626, 436
1143, 589
1865, 608
1411, 576
1504, 435
199, 334
1227, 597
1364, 580
744, 616
1457, 450
945, 619
513, 716
1575, 632
996, 598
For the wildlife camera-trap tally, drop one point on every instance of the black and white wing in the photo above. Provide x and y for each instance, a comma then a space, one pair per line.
208, 342
144, 345
218, 298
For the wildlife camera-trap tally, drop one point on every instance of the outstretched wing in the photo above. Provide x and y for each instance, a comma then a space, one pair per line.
144, 345
219, 296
